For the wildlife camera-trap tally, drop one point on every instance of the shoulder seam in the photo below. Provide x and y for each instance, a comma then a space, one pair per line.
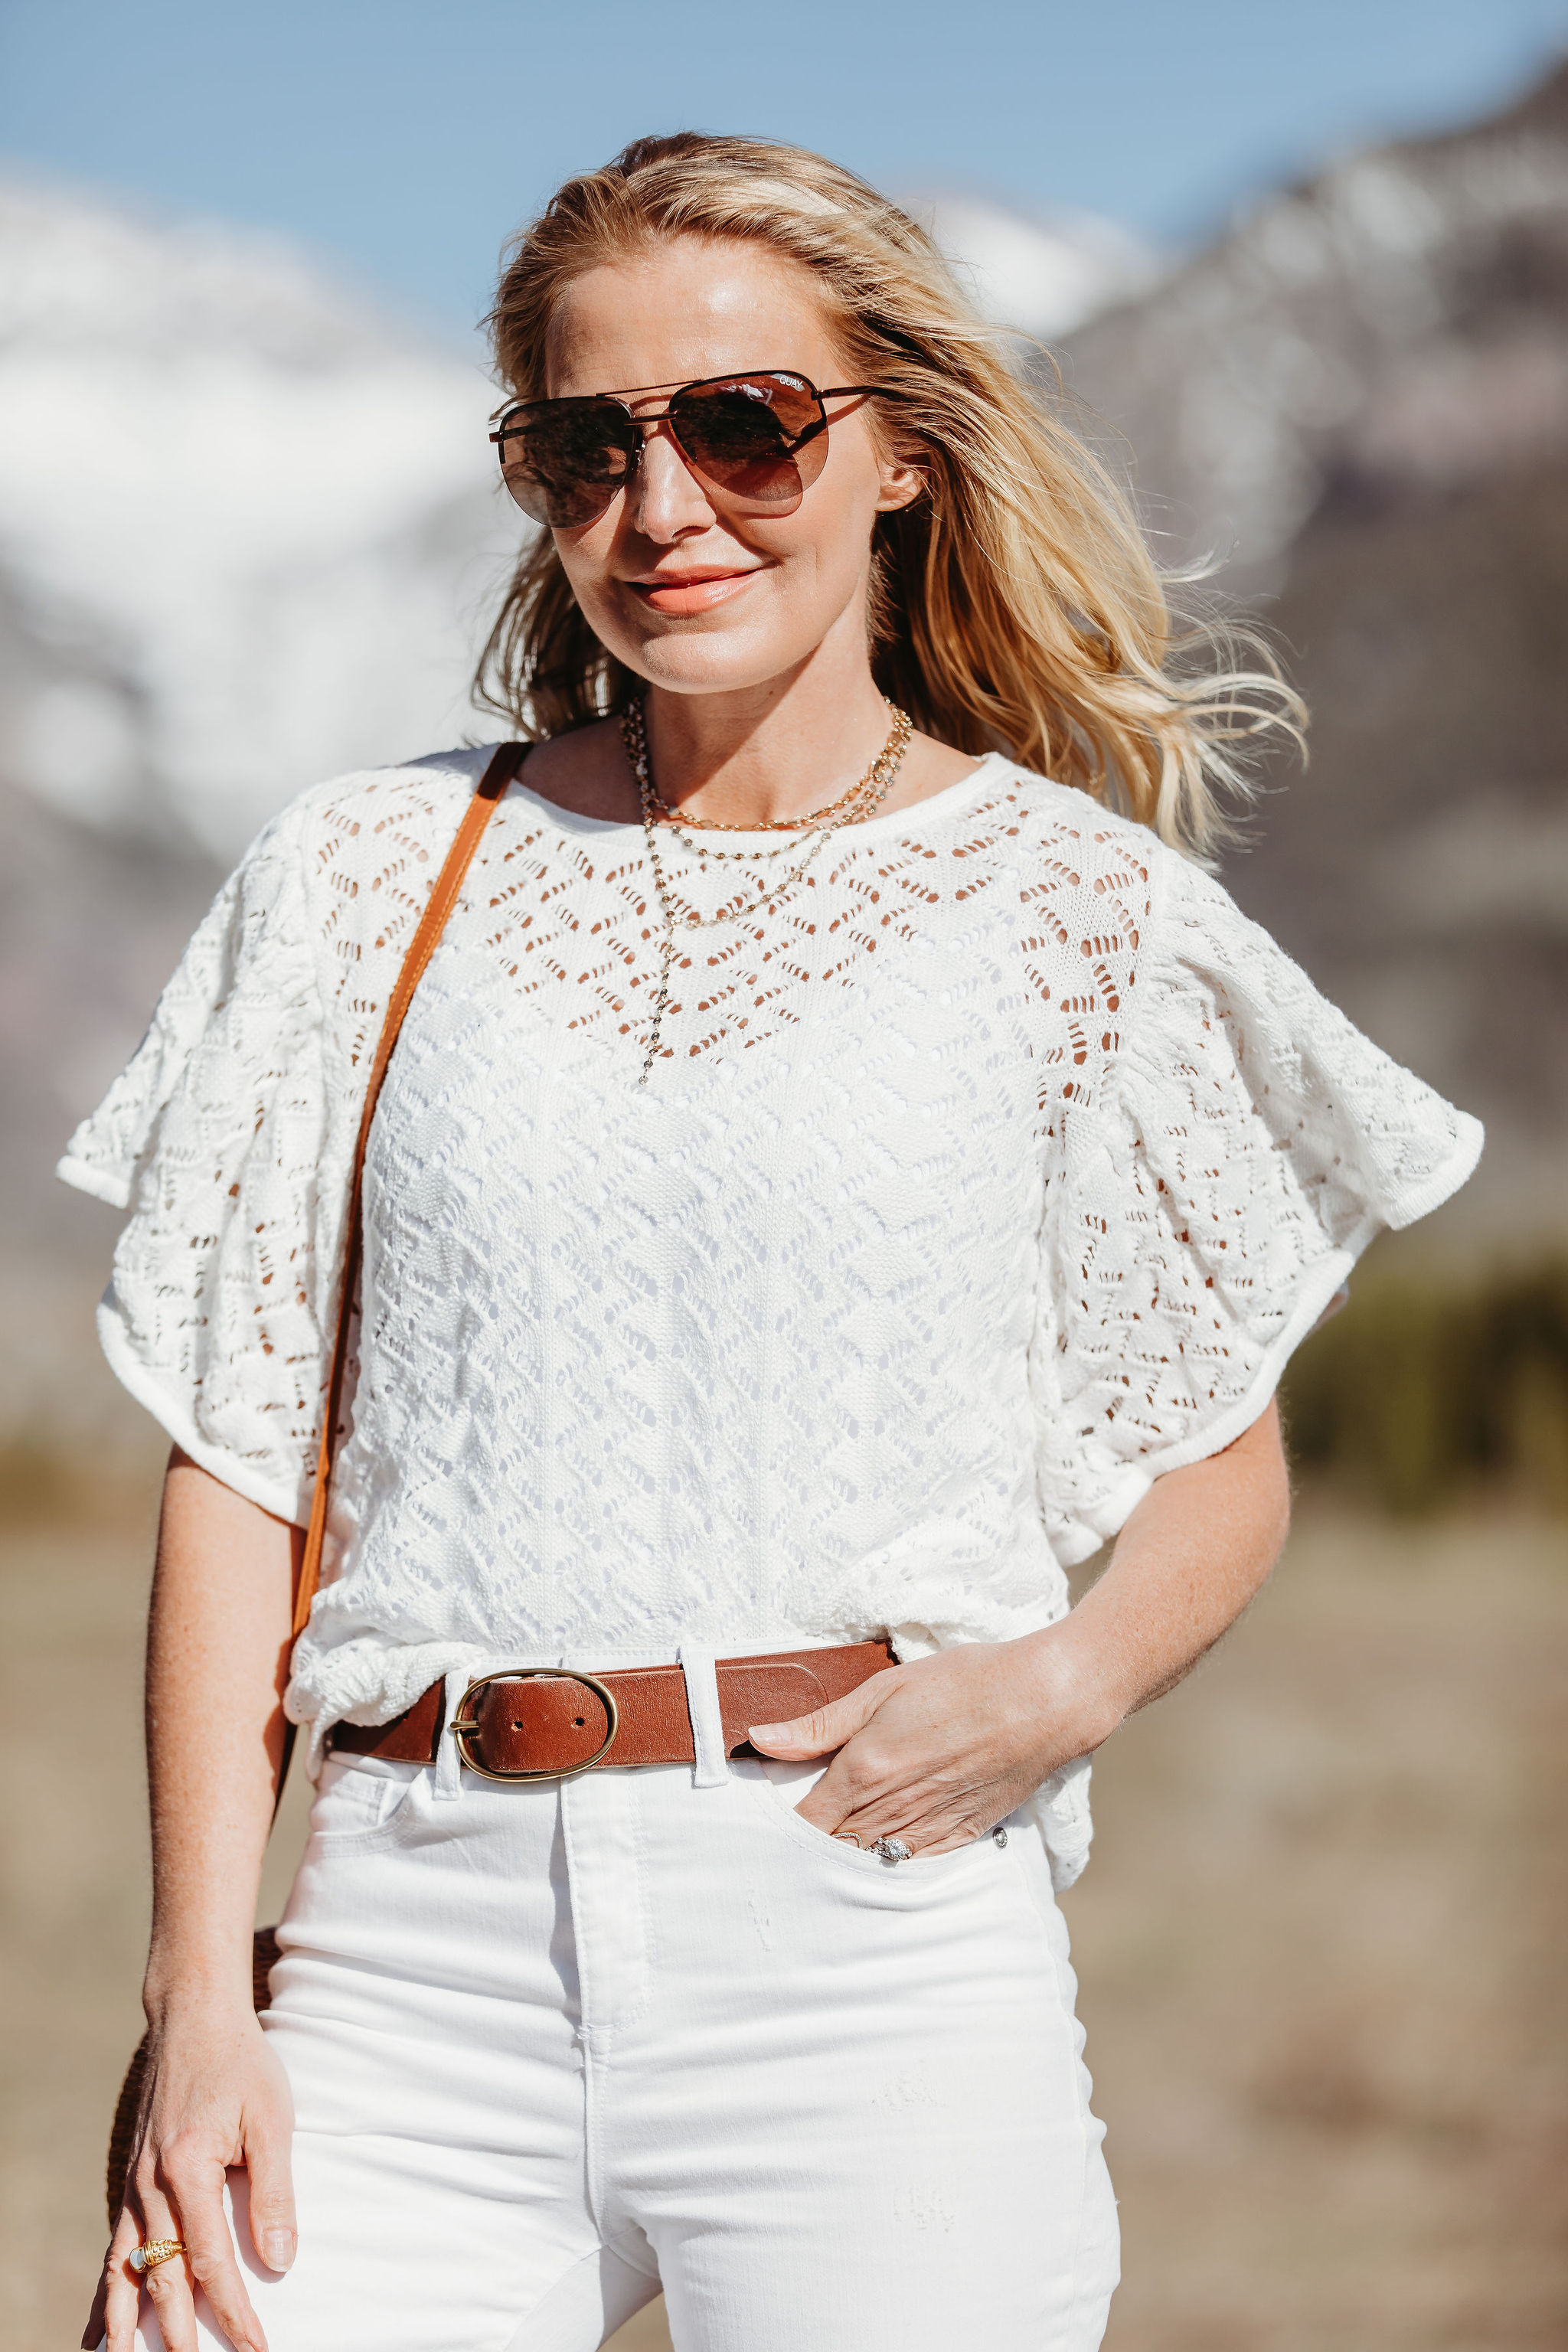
1153, 915
310, 933
460, 765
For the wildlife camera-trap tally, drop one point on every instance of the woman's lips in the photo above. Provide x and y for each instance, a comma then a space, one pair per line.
695, 593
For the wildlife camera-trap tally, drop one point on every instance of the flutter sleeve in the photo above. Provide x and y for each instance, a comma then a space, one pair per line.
213, 1139
1210, 1196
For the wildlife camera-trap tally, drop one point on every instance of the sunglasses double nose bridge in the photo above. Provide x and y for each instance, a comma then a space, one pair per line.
651, 424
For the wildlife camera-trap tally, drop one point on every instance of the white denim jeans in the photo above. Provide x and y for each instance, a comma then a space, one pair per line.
555, 2046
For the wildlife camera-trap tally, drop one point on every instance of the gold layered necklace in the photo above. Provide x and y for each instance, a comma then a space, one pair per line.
680, 818
852, 807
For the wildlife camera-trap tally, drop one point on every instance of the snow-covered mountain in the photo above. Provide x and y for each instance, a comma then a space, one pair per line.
1400, 319
1358, 399
1044, 273
247, 527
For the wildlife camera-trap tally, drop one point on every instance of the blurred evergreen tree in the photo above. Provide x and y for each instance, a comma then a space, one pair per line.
1419, 1387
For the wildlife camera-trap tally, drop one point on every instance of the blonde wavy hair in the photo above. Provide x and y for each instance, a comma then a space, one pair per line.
1014, 605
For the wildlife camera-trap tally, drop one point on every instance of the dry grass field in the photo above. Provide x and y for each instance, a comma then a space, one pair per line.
1320, 1945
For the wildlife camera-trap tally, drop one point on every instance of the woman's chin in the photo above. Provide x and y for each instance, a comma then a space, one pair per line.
696, 660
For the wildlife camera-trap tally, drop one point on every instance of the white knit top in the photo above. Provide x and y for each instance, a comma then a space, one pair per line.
995, 1171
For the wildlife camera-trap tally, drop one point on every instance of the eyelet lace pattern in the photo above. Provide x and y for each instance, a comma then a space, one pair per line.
996, 1172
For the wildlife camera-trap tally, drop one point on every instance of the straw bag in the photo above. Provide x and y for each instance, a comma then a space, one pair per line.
443, 897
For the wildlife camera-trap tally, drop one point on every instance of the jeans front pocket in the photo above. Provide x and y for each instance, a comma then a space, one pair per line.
361, 1797
779, 1789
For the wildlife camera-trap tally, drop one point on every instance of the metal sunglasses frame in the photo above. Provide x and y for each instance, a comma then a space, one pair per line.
506, 430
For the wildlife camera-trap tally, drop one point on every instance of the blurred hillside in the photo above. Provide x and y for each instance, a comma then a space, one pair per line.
1358, 401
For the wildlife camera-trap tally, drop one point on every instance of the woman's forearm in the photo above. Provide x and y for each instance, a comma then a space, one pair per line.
214, 2096
1194, 1553
218, 1649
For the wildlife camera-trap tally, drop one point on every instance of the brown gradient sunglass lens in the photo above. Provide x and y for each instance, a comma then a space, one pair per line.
564, 460
757, 439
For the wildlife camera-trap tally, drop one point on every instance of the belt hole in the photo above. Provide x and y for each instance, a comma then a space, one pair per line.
517, 1727
578, 1721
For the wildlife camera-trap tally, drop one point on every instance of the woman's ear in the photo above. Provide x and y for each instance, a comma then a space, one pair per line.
902, 486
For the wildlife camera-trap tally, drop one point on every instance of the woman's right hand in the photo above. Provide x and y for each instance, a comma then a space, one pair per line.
214, 2097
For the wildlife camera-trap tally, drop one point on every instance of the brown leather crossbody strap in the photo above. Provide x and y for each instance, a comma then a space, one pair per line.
502, 767
422, 947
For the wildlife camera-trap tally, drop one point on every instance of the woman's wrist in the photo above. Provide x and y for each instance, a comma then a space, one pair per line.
187, 2014
1079, 1690
210, 1986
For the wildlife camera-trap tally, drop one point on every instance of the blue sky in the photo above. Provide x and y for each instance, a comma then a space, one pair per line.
404, 139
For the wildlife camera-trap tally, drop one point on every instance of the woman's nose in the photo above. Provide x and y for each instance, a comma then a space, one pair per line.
667, 499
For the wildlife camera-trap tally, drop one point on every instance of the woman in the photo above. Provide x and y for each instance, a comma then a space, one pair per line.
836, 1173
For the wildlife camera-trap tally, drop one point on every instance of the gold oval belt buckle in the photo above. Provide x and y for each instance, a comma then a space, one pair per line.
465, 1728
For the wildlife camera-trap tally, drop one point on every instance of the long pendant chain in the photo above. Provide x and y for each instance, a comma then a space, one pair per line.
853, 807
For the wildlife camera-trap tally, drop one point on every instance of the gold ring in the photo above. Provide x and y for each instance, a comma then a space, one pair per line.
154, 2250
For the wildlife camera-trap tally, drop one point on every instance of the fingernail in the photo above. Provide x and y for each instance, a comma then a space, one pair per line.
277, 2248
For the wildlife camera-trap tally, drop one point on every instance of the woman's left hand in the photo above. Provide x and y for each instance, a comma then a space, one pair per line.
939, 1751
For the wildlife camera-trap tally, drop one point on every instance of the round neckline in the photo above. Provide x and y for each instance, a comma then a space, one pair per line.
894, 820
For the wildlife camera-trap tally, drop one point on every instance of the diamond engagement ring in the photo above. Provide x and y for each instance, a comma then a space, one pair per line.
154, 2250
891, 1849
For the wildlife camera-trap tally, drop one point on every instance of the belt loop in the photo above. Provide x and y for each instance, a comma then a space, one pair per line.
712, 1765
448, 1762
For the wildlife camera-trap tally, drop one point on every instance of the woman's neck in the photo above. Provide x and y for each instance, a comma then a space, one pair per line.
766, 753
751, 757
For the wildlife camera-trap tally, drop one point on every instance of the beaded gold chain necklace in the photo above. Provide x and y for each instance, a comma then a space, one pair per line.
694, 823
853, 807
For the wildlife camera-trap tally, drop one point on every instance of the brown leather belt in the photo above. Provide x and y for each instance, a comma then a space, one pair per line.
544, 1723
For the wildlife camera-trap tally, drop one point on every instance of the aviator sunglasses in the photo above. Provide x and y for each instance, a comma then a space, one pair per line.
758, 441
